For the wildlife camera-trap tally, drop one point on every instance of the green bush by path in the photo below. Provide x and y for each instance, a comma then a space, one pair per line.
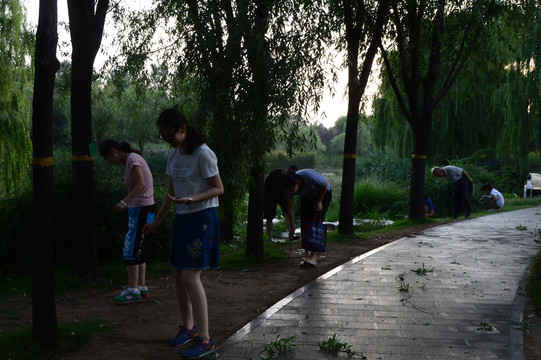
16, 217
374, 196
385, 167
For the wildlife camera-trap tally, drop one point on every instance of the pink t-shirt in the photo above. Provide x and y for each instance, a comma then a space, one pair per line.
147, 195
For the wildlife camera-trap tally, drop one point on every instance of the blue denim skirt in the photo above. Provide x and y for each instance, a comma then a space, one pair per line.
195, 241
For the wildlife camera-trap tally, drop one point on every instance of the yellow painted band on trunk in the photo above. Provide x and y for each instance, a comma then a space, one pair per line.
42, 161
418, 156
350, 156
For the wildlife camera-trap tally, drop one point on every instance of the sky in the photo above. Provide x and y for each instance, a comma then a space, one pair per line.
331, 108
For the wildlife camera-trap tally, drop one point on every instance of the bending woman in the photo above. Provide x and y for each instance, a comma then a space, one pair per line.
140, 205
315, 193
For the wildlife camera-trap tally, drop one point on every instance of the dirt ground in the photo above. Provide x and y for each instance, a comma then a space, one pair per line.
234, 297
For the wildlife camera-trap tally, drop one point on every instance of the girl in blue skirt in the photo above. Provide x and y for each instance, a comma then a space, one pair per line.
194, 186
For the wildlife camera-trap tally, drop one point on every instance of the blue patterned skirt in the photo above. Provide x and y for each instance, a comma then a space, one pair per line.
195, 241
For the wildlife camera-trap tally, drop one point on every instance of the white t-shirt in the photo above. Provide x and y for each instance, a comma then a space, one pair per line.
499, 197
189, 174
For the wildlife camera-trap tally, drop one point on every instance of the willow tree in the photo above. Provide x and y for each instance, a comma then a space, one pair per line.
491, 112
15, 98
518, 98
286, 75
44, 320
86, 22
257, 67
418, 30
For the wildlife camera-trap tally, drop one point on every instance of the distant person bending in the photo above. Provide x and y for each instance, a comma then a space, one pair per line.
462, 186
429, 207
492, 198
315, 193
274, 196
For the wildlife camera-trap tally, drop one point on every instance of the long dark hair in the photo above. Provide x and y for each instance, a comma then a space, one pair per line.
106, 145
175, 119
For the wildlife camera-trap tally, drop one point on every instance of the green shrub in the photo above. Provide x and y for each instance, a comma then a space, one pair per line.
16, 231
156, 159
440, 191
377, 196
386, 167
330, 162
16, 217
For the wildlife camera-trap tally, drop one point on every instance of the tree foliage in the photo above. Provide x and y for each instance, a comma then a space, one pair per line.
127, 113
492, 106
16, 75
431, 42
257, 67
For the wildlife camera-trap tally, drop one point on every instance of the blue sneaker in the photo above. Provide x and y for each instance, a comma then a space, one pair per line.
184, 336
199, 349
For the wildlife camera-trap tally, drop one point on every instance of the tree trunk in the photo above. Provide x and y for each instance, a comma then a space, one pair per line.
86, 30
417, 189
254, 231
258, 59
45, 326
84, 257
356, 86
418, 165
345, 225
226, 226
353, 36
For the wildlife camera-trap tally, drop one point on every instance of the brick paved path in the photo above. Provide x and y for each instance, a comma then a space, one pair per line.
464, 298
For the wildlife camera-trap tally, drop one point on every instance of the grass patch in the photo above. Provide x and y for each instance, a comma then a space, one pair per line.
15, 285
521, 203
112, 275
234, 258
334, 236
20, 345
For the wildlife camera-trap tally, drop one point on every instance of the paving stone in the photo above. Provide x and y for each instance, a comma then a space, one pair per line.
464, 295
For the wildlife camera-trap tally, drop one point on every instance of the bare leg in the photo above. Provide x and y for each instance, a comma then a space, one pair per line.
183, 299
192, 281
142, 274
133, 276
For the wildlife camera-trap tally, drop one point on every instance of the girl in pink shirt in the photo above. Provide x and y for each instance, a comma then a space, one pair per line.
140, 205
